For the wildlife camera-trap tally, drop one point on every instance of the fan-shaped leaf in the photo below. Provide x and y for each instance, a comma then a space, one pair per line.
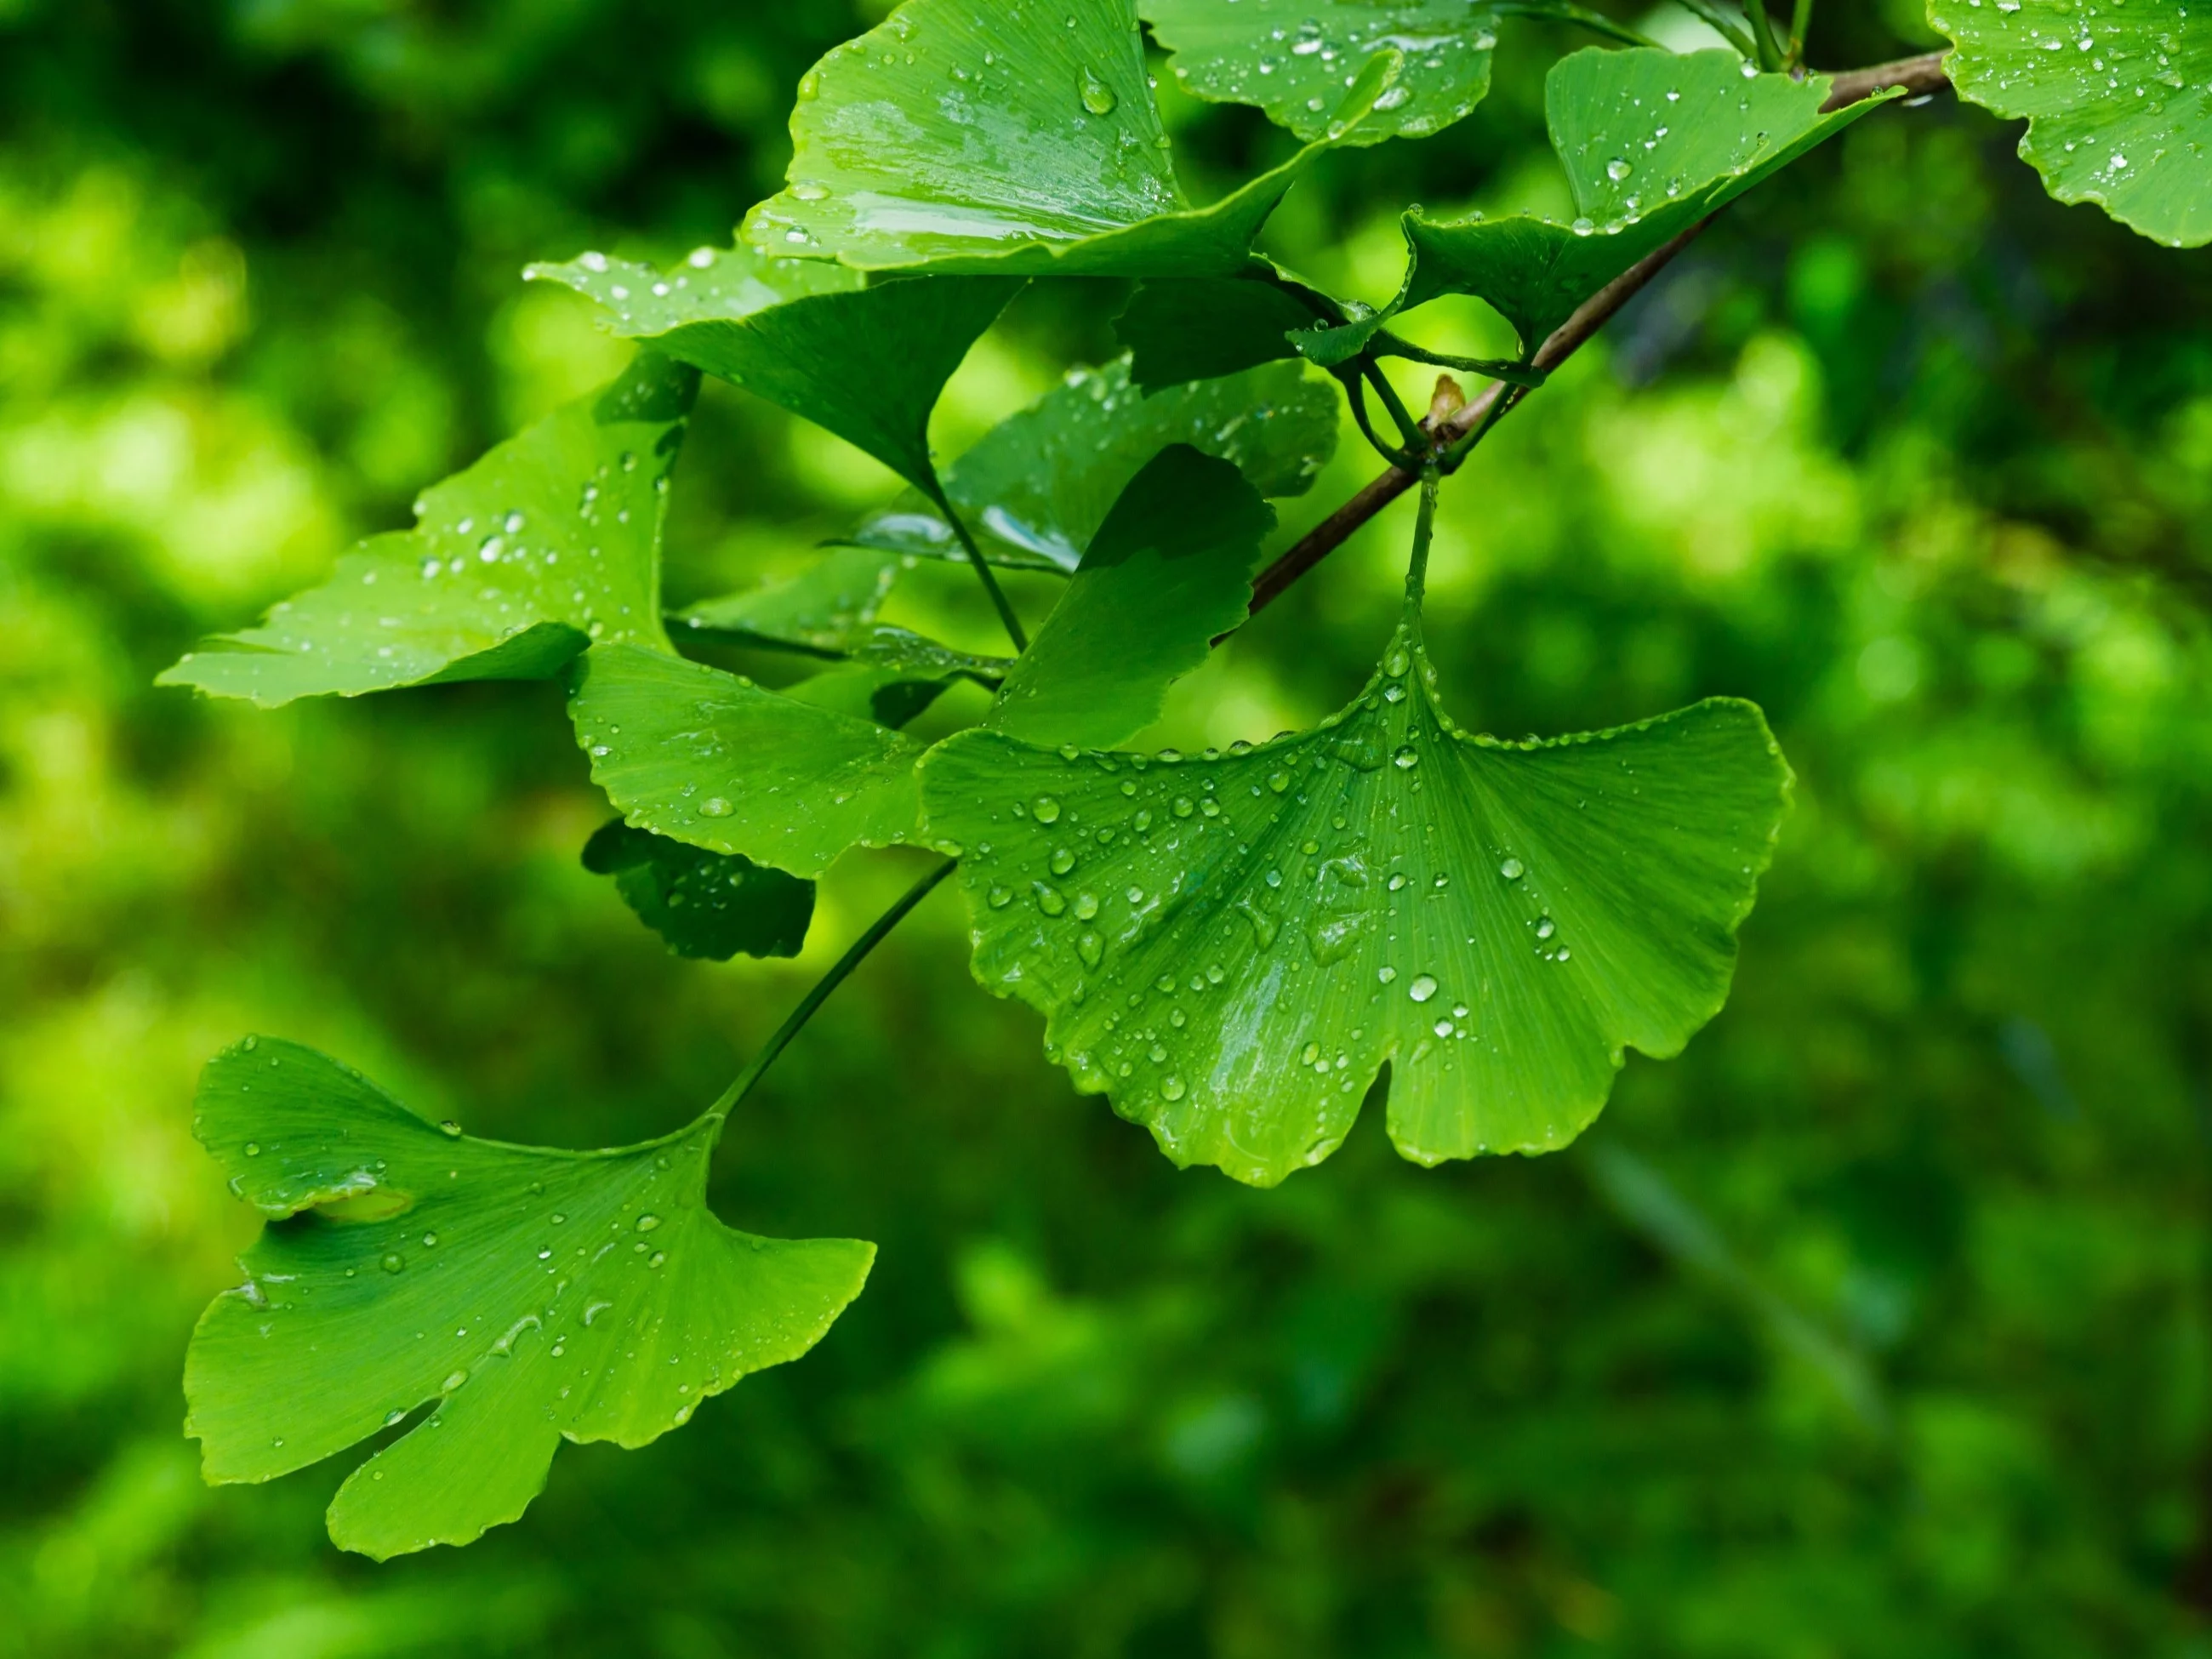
550, 541
1036, 487
705, 904
974, 135
1291, 58
691, 752
528, 1295
867, 363
1169, 568
1231, 947
2115, 99
823, 609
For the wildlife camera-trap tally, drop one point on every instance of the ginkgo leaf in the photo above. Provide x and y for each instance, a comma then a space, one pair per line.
1231, 947
710, 758
891, 676
974, 135
866, 362
713, 905
2115, 98
1199, 328
1036, 487
822, 609
527, 1295
1169, 568
1290, 57
550, 541
1652, 143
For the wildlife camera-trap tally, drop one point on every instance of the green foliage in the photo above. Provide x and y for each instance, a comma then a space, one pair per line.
825, 608
704, 904
2113, 97
526, 1295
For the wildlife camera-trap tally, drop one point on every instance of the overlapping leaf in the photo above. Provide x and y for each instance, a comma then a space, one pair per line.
550, 541
705, 904
1231, 947
526, 1295
691, 752
2117, 97
823, 609
1652, 143
1199, 328
1036, 487
1169, 568
977, 135
1293, 58
866, 362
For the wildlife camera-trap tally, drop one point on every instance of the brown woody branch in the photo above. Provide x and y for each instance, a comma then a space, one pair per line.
1918, 76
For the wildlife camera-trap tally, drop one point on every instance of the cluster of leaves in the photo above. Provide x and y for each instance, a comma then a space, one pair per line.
1232, 947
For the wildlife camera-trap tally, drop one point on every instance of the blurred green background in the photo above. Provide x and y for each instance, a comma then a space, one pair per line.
1877, 1324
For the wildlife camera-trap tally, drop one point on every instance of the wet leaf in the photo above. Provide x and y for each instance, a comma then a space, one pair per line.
711, 759
712, 905
1036, 487
550, 541
1169, 568
2114, 97
1231, 947
527, 1295
823, 609
866, 362
1292, 57
971, 135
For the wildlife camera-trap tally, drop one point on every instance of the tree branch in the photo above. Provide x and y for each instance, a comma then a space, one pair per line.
1918, 76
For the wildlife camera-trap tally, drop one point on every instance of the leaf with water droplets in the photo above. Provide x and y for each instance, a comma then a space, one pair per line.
866, 362
1652, 143
1290, 57
1035, 488
709, 758
712, 905
508, 1288
2115, 99
971, 135
1231, 947
550, 541
1169, 568
823, 609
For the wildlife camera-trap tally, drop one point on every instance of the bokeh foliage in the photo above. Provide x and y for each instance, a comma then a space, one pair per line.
1875, 1324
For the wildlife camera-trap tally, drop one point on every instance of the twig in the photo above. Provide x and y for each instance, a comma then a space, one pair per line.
1916, 75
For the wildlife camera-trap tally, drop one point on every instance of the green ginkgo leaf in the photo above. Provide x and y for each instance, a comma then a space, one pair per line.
1292, 58
709, 758
1169, 568
713, 905
1036, 487
1652, 143
552, 540
978, 136
1199, 328
527, 1295
866, 362
2117, 97
1231, 947
823, 609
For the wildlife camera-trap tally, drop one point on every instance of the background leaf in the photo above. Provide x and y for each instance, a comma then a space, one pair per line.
1169, 568
550, 541
528, 1295
1232, 948
713, 905
1197, 328
2114, 97
822, 609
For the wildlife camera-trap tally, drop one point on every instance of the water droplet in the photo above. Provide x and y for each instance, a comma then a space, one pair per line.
393, 1262
713, 807
1386, 973
253, 1149
646, 1222
1171, 1087
1423, 988
451, 1127
1406, 758
1046, 809
1546, 928
1097, 97
1618, 169
429, 1241
1512, 869
1000, 897
455, 1380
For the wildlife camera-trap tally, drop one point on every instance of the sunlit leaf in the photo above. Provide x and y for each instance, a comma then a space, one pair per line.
974, 135
1198, 328
713, 905
1293, 58
822, 609
527, 1295
1169, 568
2115, 98
867, 363
1652, 143
1231, 947
1036, 487
710, 758
550, 541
